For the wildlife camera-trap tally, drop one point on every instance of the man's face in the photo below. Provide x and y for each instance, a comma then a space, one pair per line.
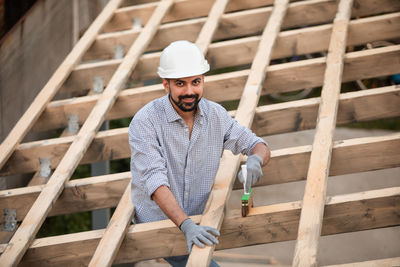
185, 93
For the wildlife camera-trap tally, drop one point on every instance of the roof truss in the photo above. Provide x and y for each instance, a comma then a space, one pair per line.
228, 32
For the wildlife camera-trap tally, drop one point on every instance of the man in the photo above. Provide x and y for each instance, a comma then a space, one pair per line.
176, 144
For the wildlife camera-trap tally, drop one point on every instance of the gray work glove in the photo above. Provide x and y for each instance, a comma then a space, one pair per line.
197, 234
254, 171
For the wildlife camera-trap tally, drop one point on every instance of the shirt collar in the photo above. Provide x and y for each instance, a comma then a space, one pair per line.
171, 113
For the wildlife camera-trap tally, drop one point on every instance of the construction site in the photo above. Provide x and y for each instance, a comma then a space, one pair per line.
318, 80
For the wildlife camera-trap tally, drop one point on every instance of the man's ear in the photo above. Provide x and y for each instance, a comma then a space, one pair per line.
166, 85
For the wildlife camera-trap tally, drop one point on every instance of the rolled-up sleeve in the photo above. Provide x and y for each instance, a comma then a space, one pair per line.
239, 139
148, 165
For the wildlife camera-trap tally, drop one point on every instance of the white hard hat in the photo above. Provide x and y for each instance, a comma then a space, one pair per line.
182, 59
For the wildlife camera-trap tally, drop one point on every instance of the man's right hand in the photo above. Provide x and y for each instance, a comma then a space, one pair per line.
197, 234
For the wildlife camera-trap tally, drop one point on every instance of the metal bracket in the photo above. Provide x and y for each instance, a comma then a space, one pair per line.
10, 217
98, 84
45, 167
119, 52
73, 123
137, 23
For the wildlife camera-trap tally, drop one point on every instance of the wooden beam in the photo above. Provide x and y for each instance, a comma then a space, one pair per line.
312, 212
373, 263
373, 153
273, 223
306, 12
214, 211
270, 119
79, 195
360, 65
50, 89
292, 43
38, 212
182, 10
302, 114
207, 31
110, 243
239, 24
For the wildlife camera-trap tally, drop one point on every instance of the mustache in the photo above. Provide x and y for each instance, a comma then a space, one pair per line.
195, 96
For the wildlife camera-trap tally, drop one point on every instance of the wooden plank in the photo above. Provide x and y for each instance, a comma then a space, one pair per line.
53, 85
111, 241
37, 179
302, 114
36, 215
235, 52
109, 244
310, 224
183, 9
101, 192
235, 25
273, 223
270, 119
209, 28
214, 212
79, 195
373, 263
363, 65
316, 11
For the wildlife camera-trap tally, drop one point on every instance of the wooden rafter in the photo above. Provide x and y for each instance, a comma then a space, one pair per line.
234, 28
110, 243
235, 25
299, 115
360, 65
55, 82
312, 212
88, 194
374, 263
38, 212
344, 213
215, 211
85, 72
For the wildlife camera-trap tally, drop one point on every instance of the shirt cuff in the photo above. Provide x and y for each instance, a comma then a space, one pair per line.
155, 181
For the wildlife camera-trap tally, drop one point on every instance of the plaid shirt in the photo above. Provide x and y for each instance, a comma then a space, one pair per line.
163, 154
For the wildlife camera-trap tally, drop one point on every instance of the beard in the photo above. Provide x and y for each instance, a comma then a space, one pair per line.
186, 106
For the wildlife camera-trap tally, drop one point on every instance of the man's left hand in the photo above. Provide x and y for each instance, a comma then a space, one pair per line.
254, 171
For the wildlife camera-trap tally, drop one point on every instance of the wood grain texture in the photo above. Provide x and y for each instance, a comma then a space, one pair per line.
314, 12
310, 224
215, 208
266, 224
374, 263
225, 87
207, 31
38, 212
270, 119
53, 85
286, 165
240, 24
111, 241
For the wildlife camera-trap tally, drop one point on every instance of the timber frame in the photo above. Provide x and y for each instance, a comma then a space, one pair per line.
253, 36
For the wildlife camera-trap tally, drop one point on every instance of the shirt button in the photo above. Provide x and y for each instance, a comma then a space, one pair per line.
186, 193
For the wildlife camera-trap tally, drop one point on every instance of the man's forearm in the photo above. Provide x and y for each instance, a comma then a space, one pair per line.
263, 151
168, 204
